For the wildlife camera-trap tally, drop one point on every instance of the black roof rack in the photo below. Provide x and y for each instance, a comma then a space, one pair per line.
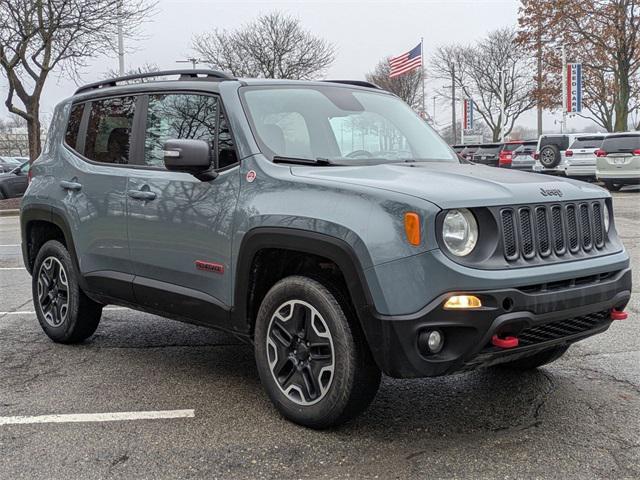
357, 83
190, 74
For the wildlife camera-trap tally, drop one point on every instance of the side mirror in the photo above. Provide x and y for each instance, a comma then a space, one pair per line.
190, 156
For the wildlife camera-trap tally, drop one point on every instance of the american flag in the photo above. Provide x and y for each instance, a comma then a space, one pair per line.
406, 62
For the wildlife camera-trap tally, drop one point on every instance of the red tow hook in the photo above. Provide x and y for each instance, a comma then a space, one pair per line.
506, 342
618, 315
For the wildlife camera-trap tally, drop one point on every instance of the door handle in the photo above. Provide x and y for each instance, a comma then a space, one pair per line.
75, 186
141, 195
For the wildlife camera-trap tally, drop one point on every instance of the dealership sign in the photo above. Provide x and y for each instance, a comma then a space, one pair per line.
467, 114
574, 88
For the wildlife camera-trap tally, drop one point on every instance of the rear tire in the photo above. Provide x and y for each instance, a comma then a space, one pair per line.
65, 313
536, 360
317, 369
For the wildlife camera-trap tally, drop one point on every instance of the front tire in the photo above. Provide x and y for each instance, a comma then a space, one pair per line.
65, 313
311, 355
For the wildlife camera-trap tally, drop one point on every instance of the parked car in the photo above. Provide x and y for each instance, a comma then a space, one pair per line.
8, 163
458, 148
523, 156
550, 152
14, 183
580, 157
334, 261
505, 157
618, 160
487, 154
468, 151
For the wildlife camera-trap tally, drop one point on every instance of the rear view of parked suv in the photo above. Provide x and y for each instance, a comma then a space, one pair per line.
323, 223
618, 160
551, 153
580, 157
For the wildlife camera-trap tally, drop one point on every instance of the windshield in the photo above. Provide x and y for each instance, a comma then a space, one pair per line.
587, 142
343, 125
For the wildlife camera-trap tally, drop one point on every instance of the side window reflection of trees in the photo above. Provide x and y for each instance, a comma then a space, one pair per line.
178, 116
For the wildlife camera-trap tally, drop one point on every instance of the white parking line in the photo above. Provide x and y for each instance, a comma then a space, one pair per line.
13, 245
97, 417
12, 268
31, 312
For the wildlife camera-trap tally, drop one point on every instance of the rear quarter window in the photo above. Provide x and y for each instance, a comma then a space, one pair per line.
621, 143
73, 126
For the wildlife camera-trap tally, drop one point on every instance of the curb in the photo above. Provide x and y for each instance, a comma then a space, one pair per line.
9, 212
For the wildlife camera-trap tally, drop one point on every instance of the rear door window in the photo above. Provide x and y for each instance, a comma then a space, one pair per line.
621, 143
108, 137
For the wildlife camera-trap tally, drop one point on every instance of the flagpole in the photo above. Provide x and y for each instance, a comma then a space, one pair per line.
424, 110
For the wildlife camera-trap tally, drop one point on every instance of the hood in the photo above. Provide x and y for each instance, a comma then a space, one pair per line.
453, 185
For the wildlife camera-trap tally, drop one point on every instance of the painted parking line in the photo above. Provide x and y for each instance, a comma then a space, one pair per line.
31, 312
97, 417
12, 268
13, 245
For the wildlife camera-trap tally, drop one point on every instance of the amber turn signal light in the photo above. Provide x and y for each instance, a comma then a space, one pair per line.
412, 228
460, 302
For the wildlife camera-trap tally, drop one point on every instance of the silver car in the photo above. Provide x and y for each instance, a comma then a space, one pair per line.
618, 161
580, 158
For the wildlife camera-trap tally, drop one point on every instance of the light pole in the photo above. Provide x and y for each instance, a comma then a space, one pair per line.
120, 40
502, 103
563, 124
192, 61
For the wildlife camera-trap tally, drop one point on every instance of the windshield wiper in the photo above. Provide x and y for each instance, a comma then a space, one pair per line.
302, 161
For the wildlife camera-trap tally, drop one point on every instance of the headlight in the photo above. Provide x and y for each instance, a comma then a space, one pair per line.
460, 232
607, 222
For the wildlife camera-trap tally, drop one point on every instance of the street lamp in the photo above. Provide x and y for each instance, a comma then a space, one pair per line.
192, 61
503, 73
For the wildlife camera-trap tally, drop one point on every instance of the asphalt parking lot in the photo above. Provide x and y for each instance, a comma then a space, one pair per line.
578, 418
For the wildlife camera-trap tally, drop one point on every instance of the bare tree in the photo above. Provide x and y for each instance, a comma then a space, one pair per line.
478, 72
604, 35
408, 87
272, 46
40, 36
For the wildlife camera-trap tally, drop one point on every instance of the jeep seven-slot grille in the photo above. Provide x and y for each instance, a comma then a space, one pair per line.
563, 229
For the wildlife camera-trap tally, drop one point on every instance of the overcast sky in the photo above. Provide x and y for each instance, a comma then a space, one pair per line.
363, 32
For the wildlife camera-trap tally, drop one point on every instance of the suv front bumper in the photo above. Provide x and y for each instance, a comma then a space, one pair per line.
541, 316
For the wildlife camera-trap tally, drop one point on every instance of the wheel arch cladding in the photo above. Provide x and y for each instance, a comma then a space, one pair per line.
294, 246
40, 223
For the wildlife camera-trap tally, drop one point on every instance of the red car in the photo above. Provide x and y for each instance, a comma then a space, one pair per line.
505, 157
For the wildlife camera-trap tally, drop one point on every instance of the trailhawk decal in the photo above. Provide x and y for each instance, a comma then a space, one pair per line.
210, 266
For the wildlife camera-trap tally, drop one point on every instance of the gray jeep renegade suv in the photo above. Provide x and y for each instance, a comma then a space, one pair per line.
322, 222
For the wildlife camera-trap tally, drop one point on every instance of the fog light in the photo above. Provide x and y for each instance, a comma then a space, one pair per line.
431, 341
435, 341
462, 302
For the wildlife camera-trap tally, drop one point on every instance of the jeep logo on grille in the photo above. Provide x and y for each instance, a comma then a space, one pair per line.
551, 192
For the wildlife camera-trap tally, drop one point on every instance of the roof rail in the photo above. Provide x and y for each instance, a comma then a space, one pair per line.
190, 74
357, 83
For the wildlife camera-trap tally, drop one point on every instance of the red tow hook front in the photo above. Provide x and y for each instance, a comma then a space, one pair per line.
506, 342
618, 315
